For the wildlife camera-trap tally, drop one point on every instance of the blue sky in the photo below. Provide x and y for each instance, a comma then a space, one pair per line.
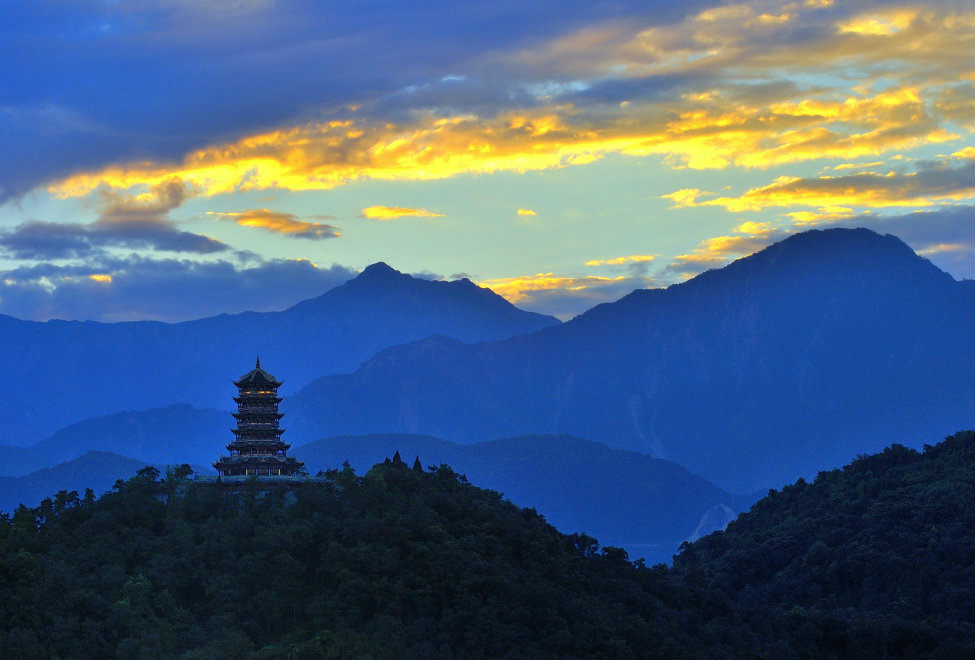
175, 159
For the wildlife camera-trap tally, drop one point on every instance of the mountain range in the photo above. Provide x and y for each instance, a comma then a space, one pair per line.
161, 436
58, 373
796, 358
790, 361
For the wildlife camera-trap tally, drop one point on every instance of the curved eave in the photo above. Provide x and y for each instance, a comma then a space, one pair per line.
258, 377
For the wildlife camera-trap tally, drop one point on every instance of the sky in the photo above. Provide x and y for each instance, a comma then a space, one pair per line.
177, 159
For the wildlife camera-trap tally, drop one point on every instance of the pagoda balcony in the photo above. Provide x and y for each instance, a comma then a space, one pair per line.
257, 398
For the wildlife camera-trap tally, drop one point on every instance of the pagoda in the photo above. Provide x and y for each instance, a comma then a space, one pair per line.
257, 448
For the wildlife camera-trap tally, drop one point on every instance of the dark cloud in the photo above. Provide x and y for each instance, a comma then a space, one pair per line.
92, 83
428, 275
125, 221
47, 240
136, 288
54, 240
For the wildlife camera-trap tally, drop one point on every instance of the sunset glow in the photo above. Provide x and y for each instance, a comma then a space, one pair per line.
627, 133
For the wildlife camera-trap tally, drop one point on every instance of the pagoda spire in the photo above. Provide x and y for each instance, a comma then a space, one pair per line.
258, 366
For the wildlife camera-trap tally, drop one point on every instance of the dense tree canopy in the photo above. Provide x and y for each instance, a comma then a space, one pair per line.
874, 560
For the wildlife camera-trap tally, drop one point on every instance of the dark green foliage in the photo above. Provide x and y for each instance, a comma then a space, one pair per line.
646, 505
872, 561
875, 560
400, 562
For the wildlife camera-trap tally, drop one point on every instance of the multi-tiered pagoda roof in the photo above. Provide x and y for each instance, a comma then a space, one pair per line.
257, 449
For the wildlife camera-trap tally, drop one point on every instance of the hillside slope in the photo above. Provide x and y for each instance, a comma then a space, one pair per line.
398, 563
171, 435
646, 505
95, 469
874, 560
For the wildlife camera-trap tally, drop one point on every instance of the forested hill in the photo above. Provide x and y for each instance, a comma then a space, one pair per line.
399, 563
877, 559
871, 561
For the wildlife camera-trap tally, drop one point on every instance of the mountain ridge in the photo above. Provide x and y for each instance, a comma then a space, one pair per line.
193, 361
643, 504
759, 349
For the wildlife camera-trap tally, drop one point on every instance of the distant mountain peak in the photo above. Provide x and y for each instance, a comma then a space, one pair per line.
835, 256
377, 270
859, 242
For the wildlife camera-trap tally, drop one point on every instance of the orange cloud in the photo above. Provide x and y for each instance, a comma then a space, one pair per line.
730, 117
618, 261
693, 131
884, 24
933, 184
518, 289
717, 251
393, 212
565, 296
276, 222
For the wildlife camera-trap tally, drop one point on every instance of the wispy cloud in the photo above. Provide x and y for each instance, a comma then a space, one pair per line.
125, 221
276, 222
717, 251
698, 131
133, 288
930, 184
564, 296
526, 212
619, 261
394, 212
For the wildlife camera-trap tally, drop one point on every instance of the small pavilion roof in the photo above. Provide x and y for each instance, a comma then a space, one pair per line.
257, 376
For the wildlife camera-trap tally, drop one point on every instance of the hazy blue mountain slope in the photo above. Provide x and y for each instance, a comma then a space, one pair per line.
61, 372
782, 363
171, 435
95, 469
647, 505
